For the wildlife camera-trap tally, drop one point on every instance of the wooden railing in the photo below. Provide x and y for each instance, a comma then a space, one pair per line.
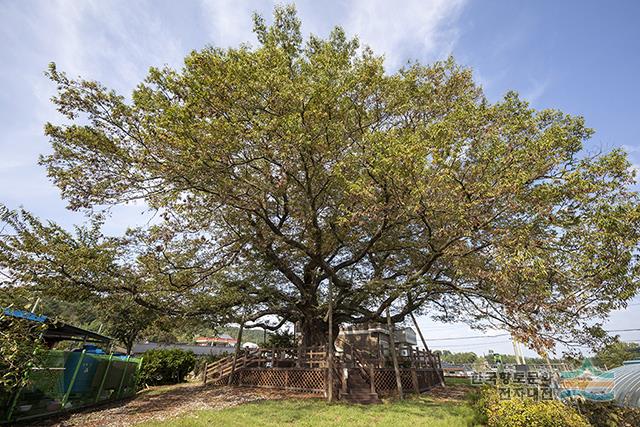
224, 367
313, 357
356, 358
422, 359
316, 358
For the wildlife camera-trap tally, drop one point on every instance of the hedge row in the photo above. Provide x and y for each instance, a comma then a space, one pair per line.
521, 412
165, 366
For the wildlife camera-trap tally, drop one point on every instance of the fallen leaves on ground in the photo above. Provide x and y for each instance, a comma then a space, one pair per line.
160, 403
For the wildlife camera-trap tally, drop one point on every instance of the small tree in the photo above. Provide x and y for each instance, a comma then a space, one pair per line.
615, 353
166, 366
125, 319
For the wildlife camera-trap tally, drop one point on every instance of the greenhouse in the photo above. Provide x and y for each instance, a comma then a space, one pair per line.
67, 380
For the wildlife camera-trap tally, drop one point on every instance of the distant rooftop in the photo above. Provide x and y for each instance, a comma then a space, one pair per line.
220, 339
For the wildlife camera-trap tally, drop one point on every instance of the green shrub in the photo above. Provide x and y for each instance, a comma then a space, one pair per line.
201, 361
527, 413
522, 412
481, 399
166, 366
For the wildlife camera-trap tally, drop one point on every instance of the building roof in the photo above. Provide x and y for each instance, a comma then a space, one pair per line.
450, 367
226, 338
198, 350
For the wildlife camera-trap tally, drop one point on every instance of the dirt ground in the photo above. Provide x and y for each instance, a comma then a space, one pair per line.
456, 392
159, 403
163, 402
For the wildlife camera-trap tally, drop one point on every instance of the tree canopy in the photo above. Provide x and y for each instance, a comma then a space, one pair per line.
617, 352
278, 168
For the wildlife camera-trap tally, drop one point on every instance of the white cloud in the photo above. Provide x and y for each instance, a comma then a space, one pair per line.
406, 30
230, 22
536, 90
401, 30
116, 41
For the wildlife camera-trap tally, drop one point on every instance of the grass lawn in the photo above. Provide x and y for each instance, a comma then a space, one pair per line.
416, 411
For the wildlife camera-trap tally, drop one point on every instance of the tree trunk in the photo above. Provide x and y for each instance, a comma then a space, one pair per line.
330, 345
235, 355
394, 356
314, 332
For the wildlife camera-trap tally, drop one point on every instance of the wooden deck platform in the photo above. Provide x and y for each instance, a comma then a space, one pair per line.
356, 373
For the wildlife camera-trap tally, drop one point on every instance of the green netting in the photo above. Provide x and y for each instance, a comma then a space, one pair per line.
5, 400
70, 380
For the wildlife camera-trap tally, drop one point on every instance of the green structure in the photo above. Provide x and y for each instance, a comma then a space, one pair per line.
67, 380
71, 380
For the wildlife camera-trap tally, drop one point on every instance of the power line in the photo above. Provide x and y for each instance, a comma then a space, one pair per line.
469, 337
470, 345
472, 337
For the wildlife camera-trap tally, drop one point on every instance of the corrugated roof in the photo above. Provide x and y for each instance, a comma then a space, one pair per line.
57, 330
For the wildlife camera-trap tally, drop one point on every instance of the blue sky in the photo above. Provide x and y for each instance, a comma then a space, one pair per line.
579, 56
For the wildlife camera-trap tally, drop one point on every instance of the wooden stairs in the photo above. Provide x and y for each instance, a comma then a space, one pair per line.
219, 371
359, 390
360, 384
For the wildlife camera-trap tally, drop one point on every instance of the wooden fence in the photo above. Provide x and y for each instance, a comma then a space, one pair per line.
311, 380
291, 369
416, 380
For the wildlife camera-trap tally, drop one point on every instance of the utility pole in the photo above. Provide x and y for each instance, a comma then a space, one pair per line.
330, 348
426, 348
235, 354
518, 351
394, 356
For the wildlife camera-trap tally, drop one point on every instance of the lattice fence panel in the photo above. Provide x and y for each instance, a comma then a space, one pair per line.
405, 378
386, 380
223, 380
427, 378
310, 380
307, 379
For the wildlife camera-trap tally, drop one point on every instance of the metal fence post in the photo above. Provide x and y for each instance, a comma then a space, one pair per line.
14, 402
124, 374
65, 399
138, 373
104, 378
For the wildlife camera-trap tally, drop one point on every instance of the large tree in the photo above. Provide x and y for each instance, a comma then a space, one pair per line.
279, 168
